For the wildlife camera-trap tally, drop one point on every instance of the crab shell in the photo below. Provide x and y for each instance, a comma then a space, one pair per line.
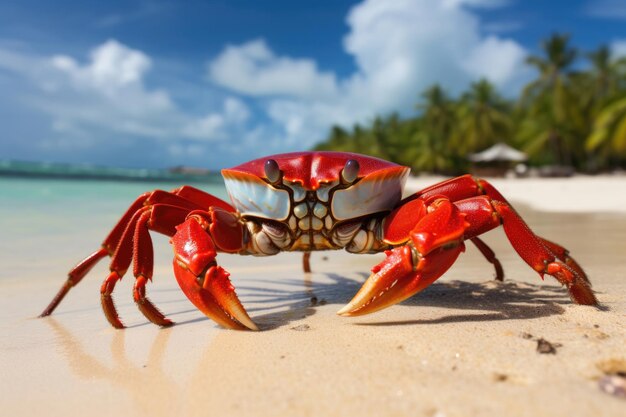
316, 177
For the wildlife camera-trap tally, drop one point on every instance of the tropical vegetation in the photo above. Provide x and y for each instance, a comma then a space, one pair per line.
572, 115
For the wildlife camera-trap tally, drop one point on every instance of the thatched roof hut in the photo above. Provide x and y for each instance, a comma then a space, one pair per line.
496, 160
500, 152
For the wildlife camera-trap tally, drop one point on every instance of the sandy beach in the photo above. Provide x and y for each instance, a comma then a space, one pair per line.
466, 346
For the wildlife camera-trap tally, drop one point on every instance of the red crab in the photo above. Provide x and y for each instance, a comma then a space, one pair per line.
308, 201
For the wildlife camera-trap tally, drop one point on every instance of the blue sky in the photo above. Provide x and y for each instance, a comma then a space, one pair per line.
214, 83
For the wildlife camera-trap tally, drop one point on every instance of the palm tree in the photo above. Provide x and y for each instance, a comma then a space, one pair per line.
600, 84
602, 73
565, 116
598, 89
437, 110
342, 140
608, 137
338, 140
435, 152
483, 119
378, 138
552, 114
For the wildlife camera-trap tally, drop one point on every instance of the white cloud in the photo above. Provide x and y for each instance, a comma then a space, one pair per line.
108, 91
618, 49
108, 94
219, 124
399, 47
402, 47
252, 68
496, 59
112, 66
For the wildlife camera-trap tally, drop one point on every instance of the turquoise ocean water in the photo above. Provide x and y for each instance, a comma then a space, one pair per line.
62, 216
25, 202
50, 193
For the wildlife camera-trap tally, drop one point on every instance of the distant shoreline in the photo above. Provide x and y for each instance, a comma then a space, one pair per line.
213, 179
52, 171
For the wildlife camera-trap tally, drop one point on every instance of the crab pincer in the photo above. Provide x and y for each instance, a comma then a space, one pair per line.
206, 284
429, 252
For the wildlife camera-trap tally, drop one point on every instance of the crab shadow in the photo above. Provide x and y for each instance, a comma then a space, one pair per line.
273, 305
466, 301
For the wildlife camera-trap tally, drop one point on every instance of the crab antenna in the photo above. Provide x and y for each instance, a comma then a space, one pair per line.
272, 172
350, 171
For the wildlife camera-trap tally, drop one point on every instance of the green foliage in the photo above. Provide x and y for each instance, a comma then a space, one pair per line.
564, 117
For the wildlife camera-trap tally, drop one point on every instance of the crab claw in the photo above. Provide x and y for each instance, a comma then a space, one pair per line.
204, 283
400, 275
435, 243
214, 295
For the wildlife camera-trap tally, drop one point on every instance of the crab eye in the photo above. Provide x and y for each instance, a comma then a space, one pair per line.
272, 172
350, 171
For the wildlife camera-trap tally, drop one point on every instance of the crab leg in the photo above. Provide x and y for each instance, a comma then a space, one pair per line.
488, 211
466, 186
537, 255
490, 255
106, 299
534, 249
74, 276
540, 254
143, 266
108, 246
186, 196
159, 217
202, 199
205, 283
119, 265
306, 262
563, 255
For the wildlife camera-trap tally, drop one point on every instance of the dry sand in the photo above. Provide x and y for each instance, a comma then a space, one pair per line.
465, 346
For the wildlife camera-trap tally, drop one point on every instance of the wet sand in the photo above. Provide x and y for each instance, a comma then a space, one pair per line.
465, 346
